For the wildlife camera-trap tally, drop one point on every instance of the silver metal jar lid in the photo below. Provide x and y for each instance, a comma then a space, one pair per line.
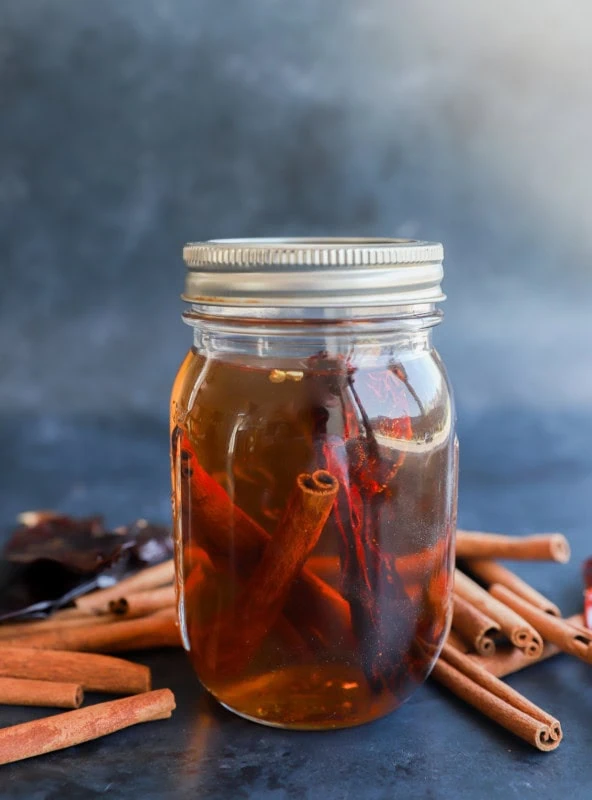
313, 272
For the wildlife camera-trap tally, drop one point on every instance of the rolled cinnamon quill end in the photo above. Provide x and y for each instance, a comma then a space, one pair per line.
508, 660
491, 572
74, 727
474, 627
95, 673
569, 637
149, 578
537, 547
141, 604
25, 692
497, 700
240, 634
312, 605
518, 630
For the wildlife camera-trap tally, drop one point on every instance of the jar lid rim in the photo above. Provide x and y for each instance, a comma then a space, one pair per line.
313, 271
337, 251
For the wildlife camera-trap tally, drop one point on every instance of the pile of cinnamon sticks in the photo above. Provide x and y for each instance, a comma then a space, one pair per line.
501, 625
137, 613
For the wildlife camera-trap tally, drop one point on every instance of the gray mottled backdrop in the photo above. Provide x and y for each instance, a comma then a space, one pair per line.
128, 128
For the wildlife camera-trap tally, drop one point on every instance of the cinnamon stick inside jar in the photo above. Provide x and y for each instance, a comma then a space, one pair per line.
520, 632
233, 533
95, 673
74, 727
537, 547
243, 628
491, 572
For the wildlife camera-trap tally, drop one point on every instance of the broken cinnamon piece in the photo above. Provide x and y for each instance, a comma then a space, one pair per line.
518, 630
491, 572
26, 692
74, 727
537, 547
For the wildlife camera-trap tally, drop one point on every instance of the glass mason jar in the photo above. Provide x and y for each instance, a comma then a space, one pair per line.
314, 465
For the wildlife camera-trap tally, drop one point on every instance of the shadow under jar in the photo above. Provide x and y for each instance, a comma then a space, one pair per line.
314, 467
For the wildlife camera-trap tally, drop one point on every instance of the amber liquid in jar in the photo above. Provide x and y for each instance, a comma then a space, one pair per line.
314, 510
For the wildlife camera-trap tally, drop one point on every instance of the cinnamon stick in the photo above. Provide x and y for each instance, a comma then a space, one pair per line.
573, 639
327, 568
474, 627
150, 578
157, 630
507, 660
517, 629
413, 568
95, 673
491, 572
311, 604
420, 565
24, 692
14, 630
497, 700
537, 547
454, 640
74, 727
260, 604
141, 604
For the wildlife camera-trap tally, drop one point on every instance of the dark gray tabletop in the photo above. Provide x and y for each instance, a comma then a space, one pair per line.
520, 472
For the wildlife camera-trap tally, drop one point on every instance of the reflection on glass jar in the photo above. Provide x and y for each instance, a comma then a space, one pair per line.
314, 479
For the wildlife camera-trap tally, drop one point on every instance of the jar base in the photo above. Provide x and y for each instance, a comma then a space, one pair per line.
325, 726
306, 698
